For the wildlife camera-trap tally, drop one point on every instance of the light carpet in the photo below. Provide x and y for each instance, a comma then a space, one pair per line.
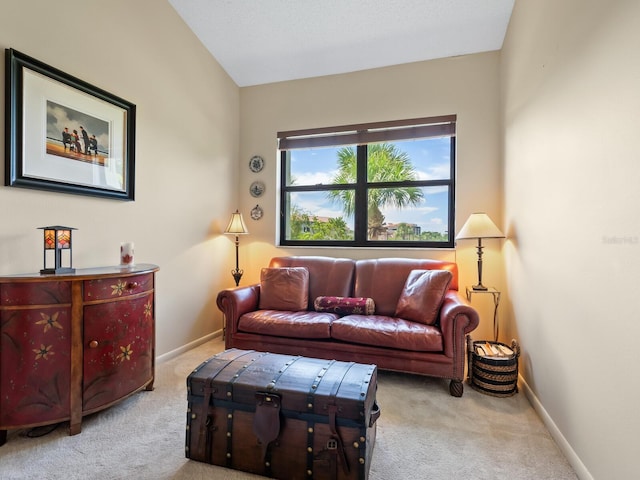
423, 433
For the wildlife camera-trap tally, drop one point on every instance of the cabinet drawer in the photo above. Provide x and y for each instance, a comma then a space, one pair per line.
109, 288
34, 293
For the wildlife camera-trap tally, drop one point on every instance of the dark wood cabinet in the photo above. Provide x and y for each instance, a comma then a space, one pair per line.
74, 344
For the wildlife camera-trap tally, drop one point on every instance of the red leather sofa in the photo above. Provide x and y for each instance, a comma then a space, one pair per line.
381, 338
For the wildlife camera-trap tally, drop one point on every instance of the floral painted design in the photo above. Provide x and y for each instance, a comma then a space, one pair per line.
43, 352
125, 353
49, 321
147, 310
118, 288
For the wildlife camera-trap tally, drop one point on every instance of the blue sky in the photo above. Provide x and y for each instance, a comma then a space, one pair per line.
430, 158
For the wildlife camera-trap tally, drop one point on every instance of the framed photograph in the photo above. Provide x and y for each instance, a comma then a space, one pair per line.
64, 135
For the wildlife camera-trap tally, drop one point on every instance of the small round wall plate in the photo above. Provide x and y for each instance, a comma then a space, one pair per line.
256, 212
257, 188
256, 163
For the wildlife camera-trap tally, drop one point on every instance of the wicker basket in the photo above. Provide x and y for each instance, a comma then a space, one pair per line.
493, 375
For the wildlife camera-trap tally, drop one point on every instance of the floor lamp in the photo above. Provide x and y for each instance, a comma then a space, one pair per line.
236, 227
479, 226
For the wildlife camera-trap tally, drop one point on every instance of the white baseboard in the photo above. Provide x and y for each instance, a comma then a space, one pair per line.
556, 434
174, 353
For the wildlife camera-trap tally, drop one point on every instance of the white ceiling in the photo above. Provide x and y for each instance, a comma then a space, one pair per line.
265, 41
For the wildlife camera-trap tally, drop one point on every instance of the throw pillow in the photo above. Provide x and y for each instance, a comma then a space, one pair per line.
284, 288
423, 294
345, 305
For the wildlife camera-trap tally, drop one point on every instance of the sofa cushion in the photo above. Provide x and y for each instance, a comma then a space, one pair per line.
390, 332
345, 305
284, 288
422, 296
383, 279
287, 324
327, 275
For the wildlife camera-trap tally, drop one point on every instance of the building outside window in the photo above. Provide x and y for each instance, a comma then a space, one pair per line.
386, 184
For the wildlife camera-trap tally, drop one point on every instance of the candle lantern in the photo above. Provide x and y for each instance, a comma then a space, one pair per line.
57, 240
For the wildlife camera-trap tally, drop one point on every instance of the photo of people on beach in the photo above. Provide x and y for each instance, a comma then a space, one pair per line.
76, 135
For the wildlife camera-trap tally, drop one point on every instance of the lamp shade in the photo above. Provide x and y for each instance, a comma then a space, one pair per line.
479, 225
236, 225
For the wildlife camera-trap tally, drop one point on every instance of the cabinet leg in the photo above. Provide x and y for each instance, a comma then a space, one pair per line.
3, 437
149, 387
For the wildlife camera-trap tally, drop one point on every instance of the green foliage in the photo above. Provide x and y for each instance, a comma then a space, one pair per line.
433, 237
404, 232
306, 226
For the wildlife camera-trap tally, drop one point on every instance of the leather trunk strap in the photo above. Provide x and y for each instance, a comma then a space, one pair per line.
266, 424
332, 409
207, 409
266, 421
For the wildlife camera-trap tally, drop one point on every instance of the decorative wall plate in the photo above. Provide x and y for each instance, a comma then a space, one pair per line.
257, 188
256, 163
256, 212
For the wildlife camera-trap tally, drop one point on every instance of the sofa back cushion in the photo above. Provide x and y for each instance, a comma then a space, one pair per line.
422, 295
284, 289
328, 276
383, 279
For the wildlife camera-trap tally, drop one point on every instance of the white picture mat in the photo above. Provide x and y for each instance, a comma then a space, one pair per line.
36, 163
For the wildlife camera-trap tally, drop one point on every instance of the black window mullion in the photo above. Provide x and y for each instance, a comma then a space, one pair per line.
452, 192
284, 165
361, 221
410, 183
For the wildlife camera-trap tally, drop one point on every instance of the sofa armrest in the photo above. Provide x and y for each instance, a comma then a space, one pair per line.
235, 302
457, 319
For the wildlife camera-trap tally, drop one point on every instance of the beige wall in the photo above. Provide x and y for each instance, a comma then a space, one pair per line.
187, 149
466, 86
570, 89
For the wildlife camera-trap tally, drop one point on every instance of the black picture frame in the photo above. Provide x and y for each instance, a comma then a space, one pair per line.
40, 101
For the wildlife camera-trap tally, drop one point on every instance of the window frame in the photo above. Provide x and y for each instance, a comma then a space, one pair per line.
360, 136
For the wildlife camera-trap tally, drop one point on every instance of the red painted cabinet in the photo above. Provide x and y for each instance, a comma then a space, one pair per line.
74, 344
35, 352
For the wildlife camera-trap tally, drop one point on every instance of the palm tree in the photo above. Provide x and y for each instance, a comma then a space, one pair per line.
385, 164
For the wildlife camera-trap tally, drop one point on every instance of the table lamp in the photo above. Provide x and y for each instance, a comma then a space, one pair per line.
479, 226
236, 227
57, 239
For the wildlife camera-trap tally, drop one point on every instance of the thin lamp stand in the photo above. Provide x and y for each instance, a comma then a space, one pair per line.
237, 273
479, 286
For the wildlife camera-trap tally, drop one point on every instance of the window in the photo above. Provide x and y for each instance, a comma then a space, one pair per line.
388, 184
